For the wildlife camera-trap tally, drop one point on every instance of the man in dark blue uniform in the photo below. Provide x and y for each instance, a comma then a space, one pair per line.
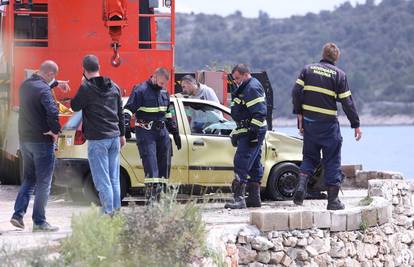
150, 103
315, 94
249, 111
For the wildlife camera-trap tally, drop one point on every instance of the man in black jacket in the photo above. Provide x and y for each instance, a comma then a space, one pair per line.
38, 130
315, 94
100, 100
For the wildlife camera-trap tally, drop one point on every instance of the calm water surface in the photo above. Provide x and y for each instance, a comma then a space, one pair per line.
381, 148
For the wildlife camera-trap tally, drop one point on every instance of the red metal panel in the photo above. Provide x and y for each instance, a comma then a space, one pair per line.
76, 28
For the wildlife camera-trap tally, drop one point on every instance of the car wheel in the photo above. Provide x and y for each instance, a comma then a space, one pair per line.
76, 195
89, 191
91, 195
282, 181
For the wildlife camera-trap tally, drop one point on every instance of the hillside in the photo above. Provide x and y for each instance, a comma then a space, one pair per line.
377, 43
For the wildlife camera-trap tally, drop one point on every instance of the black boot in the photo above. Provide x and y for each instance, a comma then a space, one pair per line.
153, 192
333, 201
239, 190
253, 197
301, 189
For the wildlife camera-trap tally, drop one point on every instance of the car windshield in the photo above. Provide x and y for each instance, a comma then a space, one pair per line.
74, 121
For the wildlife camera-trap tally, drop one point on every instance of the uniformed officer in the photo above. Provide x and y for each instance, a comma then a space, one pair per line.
150, 103
315, 94
249, 111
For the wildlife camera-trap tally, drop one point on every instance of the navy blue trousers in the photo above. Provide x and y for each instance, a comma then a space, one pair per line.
155, 151
247, 165
322, 137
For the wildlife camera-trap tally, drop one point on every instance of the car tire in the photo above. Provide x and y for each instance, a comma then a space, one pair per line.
89, 191
282, 181
91, 195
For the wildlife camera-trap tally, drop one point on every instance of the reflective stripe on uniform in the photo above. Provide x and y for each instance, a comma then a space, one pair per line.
258, 123
320, 110
344, 95
237, 100
127, 111
168, 115
255, 101
153, 109
155, 180
320, 90
300, 82
238, 131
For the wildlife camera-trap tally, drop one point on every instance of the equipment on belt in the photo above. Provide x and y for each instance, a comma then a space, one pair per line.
150, 125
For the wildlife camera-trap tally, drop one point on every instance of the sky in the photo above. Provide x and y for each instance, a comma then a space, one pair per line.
250, 8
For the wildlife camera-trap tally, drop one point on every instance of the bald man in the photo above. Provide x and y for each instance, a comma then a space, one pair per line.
38, 131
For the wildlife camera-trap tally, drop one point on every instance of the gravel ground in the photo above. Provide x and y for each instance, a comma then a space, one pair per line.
60, 210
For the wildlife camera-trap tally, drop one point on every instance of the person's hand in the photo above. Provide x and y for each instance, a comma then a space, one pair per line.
122, 140
300, 124
53, 135
234, 140
177, 140
64, 86
358, 133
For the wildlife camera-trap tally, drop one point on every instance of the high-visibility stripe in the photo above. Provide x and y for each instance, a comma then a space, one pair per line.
320, 110
300, 82
153, 109
255, 101
238, 131
155, 180
237, 100
127, 111
258, 123
168, 115
344, 95
320, 90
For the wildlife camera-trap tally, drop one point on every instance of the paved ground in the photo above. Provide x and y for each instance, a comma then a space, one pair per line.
60, 210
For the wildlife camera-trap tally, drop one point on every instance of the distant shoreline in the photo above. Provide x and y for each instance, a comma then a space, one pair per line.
366, 120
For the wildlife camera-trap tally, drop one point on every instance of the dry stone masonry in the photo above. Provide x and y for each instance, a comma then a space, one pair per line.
379, 234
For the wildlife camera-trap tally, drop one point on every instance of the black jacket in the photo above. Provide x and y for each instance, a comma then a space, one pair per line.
38, 111
317, 90
101, 103
148, 102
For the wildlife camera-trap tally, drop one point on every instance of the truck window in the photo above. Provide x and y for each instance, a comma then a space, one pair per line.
205, 119
31, 29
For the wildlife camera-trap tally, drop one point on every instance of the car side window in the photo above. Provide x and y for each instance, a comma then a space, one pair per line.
205, 119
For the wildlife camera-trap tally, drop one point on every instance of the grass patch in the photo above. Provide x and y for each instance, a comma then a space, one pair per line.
163, 234
363, 226
366, 201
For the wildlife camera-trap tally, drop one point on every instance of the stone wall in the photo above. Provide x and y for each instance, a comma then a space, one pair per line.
356, 177
391, 244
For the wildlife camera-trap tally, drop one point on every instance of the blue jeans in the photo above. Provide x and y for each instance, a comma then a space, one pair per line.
38, 164
103, 156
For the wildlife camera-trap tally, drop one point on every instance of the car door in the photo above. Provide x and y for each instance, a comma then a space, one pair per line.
179, 160
211, 154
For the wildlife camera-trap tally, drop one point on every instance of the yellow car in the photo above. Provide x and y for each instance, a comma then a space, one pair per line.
204, 162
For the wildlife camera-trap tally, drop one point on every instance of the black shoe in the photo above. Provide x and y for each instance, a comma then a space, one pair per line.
44, 227
17, 222
301, 189
239, 190
153, 192
253, 197
333, 201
